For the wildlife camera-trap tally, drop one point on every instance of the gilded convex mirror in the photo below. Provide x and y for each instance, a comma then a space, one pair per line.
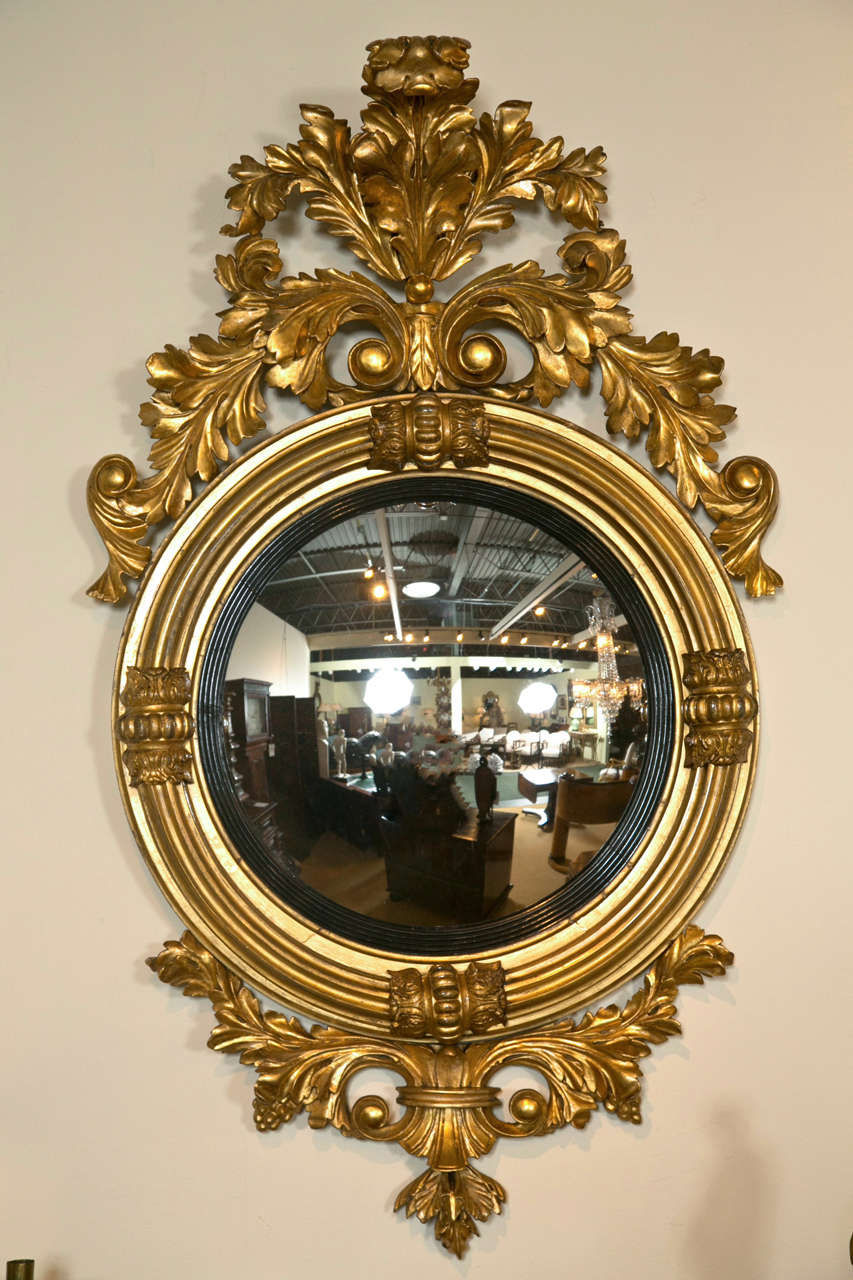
435, 715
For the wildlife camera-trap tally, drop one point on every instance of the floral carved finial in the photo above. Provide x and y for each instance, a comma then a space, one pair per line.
417, 66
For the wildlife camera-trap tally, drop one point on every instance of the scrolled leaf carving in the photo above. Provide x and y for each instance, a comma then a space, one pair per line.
309, 311
447, 1104
664, 389
206, 398
565, 318
413, 194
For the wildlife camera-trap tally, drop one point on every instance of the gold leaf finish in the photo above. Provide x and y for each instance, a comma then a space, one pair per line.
718, 708
428, 431
412, 195
342, 982
447, 1104
156, 725
444, 1004
664, 389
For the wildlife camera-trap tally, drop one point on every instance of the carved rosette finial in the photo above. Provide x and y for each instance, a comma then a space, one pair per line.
416, 66
444, 1003
718, 708
428, 432
156, 725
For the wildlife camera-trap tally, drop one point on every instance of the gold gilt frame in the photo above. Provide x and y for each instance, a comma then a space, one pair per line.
413, 194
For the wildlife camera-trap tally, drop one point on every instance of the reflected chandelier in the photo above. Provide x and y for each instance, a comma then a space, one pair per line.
608, 692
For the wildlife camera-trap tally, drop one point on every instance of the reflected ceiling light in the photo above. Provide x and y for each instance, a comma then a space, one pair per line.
421, 590
482, 635
554, 641
369, 571
537, 698
379, 591
387, 692
504, 639
408, 637
539, 610
389, 636
564, 645
582, 644
426, 638
523, 640
460, 635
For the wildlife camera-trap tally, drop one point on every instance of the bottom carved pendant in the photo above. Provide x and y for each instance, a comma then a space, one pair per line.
447, 1106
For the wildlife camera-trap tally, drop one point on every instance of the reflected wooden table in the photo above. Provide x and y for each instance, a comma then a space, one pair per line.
534, 783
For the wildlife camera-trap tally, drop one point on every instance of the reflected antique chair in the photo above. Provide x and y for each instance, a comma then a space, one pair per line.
511, 748
528, 747
584, 804
556, 747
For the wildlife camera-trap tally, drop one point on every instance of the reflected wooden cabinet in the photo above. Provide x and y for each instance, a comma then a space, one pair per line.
250, 718
294, 763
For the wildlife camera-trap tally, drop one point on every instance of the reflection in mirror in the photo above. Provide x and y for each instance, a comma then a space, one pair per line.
434, 714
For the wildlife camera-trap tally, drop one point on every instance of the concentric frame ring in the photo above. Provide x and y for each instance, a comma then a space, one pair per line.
261, 938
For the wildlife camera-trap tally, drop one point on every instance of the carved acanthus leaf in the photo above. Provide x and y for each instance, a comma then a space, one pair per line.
663, 388
596, 1061
320, 165
259, 196
206, 397
565, 318
414, 162
573, 189
308, 312
447, 1104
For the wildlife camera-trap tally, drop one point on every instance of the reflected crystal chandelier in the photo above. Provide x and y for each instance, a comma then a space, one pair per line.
607, 692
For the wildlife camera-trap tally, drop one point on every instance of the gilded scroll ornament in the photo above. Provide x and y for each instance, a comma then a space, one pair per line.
718, 708
412, 195
156, 725
447, 1103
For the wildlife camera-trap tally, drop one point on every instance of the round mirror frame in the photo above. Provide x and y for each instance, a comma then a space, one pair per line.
168, 800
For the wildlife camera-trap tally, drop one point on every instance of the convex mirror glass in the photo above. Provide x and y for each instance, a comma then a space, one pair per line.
436, 713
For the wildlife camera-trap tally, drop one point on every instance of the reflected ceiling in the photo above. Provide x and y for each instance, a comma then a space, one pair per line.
484, 562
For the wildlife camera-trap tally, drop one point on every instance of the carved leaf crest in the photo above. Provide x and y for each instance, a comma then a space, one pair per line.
413, 194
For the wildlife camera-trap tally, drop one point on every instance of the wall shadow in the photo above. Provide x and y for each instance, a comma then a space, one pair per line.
729, 1233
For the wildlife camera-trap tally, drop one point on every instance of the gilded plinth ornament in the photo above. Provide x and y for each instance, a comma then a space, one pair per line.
156, 725
718, 709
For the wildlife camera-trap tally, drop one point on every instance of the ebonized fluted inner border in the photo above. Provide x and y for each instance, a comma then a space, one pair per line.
487, 934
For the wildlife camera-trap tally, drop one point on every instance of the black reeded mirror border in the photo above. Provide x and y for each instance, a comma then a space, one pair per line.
450, 940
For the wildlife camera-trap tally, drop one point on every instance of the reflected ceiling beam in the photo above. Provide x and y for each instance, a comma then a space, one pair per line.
388, 562
468, 544
564, 572
589, 634
318, 573
312, 571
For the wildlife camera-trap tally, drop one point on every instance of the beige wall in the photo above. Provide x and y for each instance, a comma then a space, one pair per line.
128, 1151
